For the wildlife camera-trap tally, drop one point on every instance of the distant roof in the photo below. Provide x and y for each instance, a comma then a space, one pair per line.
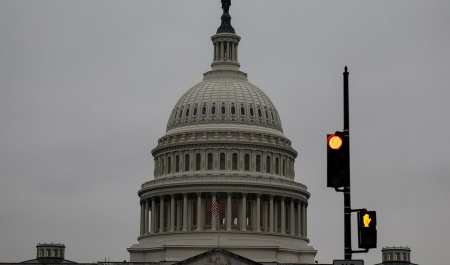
48, 260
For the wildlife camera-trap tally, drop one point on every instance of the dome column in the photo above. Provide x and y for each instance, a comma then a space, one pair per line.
213, 218
283, 216
185, 206
146, 221
178, 215
244, 212
258, 212
153, 222
199, 211
142, 218
291, 217
161, 214
228, 211
271, 216
172, 212
303, 233
299, 218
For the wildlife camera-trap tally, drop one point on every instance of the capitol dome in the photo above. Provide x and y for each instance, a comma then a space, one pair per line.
225, 101
224, 173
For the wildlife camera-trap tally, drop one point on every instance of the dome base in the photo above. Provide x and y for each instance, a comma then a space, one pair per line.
259, 247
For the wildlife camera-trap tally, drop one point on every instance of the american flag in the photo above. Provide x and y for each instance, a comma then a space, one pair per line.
215, 206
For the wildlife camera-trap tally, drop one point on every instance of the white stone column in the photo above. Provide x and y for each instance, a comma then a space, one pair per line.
228, 211
199, 211
258, 212
172, 212
161, 214
303, 219
142, 219
265, 216
179, 213
271, 217
299, 218
153, 222
236, 52
244, 212
283, 216
292, 218
306, 219
276, 210
185, 214
213, 218
221, 57
146, 221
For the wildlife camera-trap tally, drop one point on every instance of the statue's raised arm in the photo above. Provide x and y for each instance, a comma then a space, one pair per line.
226, 5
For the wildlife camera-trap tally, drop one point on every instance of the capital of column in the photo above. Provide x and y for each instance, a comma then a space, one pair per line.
258, 195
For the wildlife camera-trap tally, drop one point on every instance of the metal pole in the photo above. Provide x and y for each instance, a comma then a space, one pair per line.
347, 203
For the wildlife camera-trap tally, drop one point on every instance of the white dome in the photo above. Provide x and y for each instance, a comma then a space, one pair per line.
225, 100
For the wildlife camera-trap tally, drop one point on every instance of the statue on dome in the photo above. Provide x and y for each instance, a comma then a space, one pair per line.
226, 5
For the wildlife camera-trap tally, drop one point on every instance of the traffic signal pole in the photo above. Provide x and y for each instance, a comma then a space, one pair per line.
347, 202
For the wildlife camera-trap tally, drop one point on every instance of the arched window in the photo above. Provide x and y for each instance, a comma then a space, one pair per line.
186, 162
247, 162
252, 113
223, 110
271, 113
169, 165
210, 161
267, 114
259, 113
258, 163
174, 114
213, 109
268, 164
203, 110
162, 166
198, 161
222, 161
284, 167
277, 165
177, 163
187, 112
233, 110
242, 110
234, 161
181, 113
195, 111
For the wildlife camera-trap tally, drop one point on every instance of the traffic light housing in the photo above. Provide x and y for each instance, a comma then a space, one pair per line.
367, 229
338, 160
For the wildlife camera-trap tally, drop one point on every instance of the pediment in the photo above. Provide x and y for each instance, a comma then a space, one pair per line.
217, 256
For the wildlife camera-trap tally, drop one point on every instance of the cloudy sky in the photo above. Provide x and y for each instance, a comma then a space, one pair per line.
86, 88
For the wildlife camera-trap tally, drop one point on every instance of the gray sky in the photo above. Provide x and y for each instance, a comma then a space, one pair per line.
86, 88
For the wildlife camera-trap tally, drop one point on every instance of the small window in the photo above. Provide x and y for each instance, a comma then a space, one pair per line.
186, 162
198, 161
234, 161
203, 110
258, 163
271, 113
213, 109
284, 167
187, 112
252, 113
210, 161
267, 114
233, 110
268, 164
277, 165
247, 162
259, 113
162, 166
223, 110
195, 112
174, 114
181, 113
177, 163
222, 161
242, 110
169, 165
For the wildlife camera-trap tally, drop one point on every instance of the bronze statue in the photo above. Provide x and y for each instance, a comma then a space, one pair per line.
226, 5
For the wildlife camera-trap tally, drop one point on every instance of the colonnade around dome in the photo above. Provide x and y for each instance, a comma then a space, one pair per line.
238, 211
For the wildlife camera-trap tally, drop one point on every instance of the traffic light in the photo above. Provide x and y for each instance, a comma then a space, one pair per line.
338, 160
367, 229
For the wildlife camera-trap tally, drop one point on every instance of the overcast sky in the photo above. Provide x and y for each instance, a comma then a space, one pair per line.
86, 88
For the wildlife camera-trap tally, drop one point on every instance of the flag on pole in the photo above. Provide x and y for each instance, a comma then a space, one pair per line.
215, 206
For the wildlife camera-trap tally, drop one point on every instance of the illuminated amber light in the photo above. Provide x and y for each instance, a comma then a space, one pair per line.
334, 141
366, 220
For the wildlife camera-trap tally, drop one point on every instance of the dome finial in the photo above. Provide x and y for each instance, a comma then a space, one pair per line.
226, 27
